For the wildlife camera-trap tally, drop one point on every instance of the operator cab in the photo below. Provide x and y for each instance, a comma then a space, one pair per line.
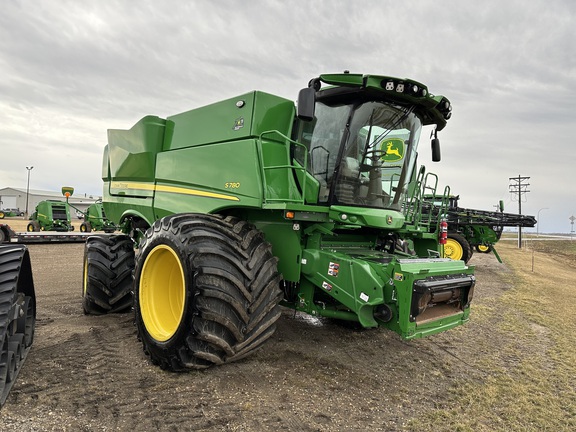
361, 148
361, 136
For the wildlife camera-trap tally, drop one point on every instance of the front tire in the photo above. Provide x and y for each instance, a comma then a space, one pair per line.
457, 248
85, 227
33, 226
107, 279
206, 291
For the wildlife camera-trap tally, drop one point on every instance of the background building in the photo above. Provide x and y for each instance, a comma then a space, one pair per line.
14, 198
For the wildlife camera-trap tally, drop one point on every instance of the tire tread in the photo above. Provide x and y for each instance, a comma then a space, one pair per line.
236, 290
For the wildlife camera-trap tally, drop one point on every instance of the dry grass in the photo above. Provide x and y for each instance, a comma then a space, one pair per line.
523, 349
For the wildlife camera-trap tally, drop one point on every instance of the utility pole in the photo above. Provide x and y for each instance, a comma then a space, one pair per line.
518, 185
28, 188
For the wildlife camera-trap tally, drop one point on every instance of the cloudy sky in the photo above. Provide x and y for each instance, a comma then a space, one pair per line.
70, 70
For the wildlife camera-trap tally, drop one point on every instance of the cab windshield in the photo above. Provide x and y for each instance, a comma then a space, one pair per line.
362, 154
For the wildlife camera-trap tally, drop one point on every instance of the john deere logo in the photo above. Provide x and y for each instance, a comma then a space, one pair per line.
238, 123
393, 149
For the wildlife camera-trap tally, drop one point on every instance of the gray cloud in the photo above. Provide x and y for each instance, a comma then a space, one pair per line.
71, 70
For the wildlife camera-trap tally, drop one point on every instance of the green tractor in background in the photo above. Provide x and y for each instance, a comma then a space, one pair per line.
95, 220
50, 215
250, 203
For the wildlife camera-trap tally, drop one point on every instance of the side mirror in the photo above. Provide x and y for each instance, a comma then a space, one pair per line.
501, 204
306, 104
435, 150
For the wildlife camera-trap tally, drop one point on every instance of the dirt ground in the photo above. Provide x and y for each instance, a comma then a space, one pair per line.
87, 373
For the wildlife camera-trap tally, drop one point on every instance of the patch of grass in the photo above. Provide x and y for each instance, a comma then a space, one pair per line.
524, 347
565, 249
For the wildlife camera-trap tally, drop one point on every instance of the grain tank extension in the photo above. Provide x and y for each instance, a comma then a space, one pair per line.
255, 202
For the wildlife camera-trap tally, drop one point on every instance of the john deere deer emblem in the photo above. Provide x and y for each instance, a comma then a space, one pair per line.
393, 149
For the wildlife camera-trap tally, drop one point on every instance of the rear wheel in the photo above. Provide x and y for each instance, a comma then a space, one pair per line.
457, 248
107, 280
484, 248
17, 313
206, 291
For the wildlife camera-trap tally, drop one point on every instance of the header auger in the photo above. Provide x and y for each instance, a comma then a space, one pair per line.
253, 202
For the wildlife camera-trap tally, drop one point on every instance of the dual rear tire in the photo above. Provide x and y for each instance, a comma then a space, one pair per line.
107, 276
206, 290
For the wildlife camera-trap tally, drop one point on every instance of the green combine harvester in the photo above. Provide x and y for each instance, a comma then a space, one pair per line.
253, 202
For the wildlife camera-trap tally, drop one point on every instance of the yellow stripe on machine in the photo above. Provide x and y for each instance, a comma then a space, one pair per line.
171, 189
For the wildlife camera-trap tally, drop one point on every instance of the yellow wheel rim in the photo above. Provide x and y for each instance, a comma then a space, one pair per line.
483, 248
453, 249
162, 292
85, 278
30, 228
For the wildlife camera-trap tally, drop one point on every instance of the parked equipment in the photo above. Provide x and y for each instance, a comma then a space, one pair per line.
50, 215
480, 230
95, 220
17, 313
249, 203
10, 213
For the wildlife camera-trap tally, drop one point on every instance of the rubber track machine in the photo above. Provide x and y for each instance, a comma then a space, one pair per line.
254, 202
17, 313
